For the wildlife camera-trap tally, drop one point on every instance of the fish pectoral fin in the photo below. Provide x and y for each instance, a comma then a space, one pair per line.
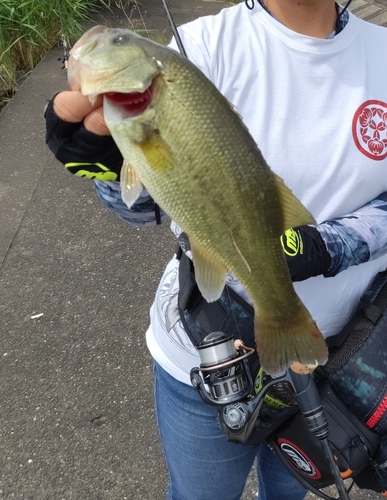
131, 185
156, 152
210, 274
294, 212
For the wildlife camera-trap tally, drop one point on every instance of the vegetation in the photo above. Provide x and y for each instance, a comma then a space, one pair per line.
28, 28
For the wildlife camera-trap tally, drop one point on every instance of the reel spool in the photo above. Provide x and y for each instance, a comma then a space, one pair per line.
223, 370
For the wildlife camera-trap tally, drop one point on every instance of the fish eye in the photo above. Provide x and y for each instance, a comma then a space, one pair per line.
120, 39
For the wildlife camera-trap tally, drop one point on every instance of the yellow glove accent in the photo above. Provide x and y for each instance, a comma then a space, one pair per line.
291, 243
91, 171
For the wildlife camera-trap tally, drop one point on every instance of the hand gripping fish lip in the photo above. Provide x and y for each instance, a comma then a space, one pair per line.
134, 103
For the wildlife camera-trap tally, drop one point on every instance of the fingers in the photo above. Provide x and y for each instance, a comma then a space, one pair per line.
95, 122
72, 106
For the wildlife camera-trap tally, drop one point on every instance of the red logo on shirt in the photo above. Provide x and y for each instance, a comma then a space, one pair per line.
369, 129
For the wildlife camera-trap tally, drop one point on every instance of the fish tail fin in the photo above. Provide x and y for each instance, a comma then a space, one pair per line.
279, 345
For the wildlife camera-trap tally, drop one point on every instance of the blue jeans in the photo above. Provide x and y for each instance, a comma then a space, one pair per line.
202, 464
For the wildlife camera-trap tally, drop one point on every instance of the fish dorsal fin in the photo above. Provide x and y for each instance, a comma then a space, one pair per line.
295, 214
210, 274
131, 185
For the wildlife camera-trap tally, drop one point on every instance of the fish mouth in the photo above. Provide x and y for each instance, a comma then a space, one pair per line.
134, 103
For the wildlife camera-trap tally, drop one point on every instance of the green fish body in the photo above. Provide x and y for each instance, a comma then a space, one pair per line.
182, 140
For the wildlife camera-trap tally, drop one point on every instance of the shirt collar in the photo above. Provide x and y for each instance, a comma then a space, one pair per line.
342, 20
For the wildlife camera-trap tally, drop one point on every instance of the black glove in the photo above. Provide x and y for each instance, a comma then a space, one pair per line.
305, 252
83, 153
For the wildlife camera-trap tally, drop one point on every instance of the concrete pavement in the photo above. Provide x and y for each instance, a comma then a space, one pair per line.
375, 12
76, 405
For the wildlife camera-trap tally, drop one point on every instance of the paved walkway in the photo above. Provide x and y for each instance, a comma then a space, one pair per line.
76, 283
375, 12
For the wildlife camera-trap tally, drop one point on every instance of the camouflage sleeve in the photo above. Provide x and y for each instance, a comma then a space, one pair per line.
144, 212
357, 237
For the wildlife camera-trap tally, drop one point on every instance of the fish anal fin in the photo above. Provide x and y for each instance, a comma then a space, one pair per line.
280, 345
131, 185
156, 152
210, 274
294, 212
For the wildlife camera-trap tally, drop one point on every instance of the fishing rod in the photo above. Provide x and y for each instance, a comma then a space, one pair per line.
65, 58
174, 28
306, 393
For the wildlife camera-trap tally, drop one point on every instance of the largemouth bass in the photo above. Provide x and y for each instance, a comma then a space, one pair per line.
182, 140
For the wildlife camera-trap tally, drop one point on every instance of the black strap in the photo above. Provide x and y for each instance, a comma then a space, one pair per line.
372, 307
157, 214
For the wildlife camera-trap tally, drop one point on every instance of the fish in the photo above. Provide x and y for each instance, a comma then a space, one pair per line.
184, 142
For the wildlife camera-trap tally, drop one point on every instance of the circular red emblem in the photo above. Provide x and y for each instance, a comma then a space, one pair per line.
369, 129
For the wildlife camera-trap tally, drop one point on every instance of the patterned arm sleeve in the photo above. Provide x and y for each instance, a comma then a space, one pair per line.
144, 212
357, 237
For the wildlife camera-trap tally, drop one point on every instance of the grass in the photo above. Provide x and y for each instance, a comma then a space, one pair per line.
28, 28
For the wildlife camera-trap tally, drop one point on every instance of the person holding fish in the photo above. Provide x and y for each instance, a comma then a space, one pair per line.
309, 81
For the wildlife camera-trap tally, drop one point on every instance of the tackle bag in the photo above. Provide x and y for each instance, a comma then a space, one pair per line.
352, 384
353, 390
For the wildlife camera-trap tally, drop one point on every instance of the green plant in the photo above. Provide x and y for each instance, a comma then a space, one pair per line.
28, 28
7, 66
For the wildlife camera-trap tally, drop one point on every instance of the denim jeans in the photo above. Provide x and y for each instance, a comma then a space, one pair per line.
202, 464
